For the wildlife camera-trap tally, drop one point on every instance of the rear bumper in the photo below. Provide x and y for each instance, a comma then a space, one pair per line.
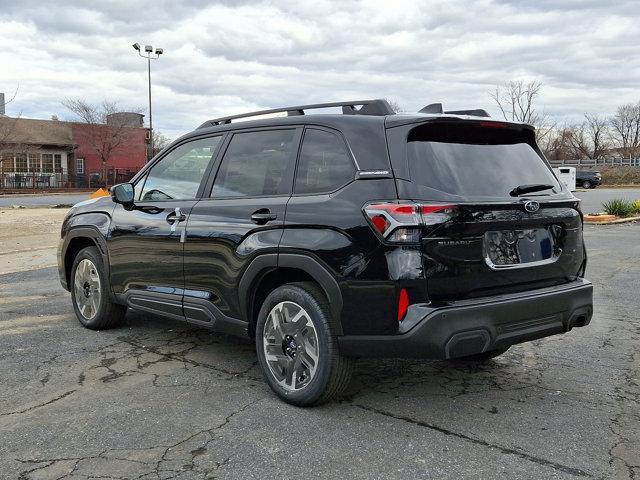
479, 325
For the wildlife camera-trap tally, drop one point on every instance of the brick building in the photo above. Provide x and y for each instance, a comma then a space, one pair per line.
44, 154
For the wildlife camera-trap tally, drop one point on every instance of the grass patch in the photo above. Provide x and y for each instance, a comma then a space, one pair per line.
619, 207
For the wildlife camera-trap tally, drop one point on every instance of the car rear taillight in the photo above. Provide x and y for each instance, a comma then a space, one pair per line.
400, 222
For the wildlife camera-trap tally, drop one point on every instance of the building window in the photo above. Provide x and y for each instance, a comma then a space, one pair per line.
21, 162
7, 163
47, 162
80, 166
57, 159
34, 162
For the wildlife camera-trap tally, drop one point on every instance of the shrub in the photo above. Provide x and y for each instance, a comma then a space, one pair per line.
619, 175
636, 207
618, 207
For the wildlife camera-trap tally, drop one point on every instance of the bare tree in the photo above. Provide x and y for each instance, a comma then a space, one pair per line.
599, 135
559, 144
159, 142
7, 131
591, 137
516, 101
105, 135
394, 104
625, 129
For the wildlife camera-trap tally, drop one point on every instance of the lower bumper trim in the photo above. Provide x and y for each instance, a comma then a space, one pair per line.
469, 328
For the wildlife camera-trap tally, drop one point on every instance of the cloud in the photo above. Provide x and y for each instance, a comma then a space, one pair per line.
225, 57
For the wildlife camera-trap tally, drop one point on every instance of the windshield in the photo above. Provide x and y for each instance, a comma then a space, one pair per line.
472, 162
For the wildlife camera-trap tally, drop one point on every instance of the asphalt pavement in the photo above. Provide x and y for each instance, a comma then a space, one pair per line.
592, 200
158, 399
43, 200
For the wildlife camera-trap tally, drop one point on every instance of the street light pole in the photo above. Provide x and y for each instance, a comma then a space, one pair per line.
148, 49
150, 114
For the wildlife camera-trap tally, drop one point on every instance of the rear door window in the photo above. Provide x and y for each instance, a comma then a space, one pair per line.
324, 165
472, 161
257, 164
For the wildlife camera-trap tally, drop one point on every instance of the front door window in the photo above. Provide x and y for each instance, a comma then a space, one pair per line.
178, 175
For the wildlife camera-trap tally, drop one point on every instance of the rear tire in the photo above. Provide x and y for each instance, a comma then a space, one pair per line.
483, 357
90, 292
297, 347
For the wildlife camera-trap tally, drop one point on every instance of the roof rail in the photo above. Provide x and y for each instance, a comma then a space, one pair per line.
437, 109
367, 107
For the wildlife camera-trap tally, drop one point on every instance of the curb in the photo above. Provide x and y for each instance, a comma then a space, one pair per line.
613, 222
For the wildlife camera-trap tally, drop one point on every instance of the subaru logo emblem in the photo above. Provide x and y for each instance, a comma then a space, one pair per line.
531, 206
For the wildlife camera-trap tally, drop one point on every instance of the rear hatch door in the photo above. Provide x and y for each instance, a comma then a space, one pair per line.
495, 218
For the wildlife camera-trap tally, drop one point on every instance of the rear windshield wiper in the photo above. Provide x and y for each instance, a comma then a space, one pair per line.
536, 187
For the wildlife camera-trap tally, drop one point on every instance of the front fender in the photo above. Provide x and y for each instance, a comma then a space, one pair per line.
90, 226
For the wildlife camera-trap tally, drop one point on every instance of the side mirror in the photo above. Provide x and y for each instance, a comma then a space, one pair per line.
123, 193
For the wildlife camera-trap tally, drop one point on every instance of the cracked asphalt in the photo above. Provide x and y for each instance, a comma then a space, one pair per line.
157, 399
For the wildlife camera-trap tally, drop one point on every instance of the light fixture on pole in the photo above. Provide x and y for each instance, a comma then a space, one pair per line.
148, 54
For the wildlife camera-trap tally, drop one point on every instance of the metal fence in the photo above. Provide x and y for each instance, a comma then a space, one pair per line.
596, 162
19, 181
44, 181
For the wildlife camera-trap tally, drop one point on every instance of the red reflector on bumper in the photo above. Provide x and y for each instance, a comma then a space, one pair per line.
403, 304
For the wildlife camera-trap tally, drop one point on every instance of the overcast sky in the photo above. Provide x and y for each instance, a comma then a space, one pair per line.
234, 56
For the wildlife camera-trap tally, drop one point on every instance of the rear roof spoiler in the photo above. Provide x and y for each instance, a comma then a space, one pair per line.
436, 108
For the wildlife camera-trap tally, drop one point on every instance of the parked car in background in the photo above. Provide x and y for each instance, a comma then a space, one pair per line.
441, 235
588, 178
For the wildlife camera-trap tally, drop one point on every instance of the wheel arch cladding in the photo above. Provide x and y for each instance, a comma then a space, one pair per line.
79, 238
269, 271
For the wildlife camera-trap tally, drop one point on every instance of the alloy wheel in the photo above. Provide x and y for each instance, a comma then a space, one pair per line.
86, 286
290, 344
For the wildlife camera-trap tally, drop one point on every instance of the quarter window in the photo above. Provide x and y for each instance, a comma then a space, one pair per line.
324, 165
256, 164
179, 173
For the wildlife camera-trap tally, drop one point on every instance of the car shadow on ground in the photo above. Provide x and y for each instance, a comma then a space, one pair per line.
199, 347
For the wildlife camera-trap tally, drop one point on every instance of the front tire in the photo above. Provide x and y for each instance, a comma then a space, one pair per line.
586, 184
90, 292
297, 348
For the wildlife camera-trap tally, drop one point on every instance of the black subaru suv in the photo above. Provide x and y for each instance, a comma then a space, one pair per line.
330, 236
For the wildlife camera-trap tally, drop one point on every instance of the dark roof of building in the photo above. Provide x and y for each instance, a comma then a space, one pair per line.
36, 132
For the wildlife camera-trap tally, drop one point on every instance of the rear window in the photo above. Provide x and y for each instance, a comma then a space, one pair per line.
474, 161
257, 164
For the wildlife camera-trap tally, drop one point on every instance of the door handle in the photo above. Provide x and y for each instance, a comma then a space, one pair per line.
262, 216
176, 217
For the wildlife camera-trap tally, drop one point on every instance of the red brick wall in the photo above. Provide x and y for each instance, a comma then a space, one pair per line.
131, 154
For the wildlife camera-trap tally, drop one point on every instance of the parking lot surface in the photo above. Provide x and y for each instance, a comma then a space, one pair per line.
592, 200
42, 200
157, 399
